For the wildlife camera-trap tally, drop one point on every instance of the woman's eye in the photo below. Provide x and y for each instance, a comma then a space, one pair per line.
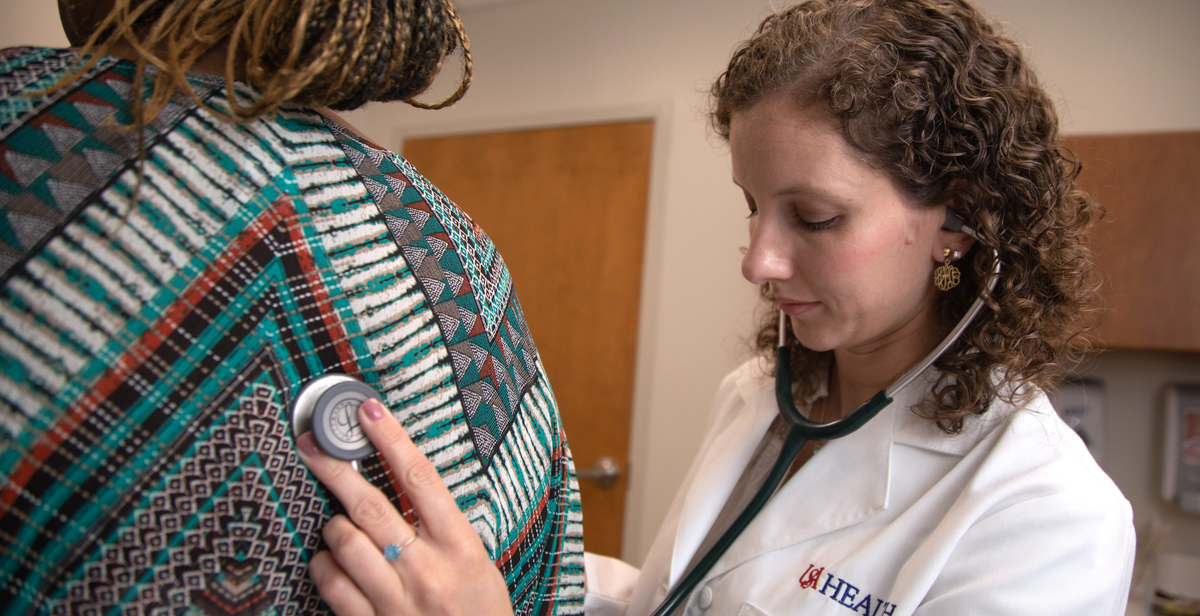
750, 205
821, 225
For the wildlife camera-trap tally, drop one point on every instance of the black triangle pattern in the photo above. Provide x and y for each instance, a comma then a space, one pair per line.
65, 146
465, 282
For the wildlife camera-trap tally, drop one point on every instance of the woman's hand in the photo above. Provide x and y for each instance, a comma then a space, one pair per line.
444, 569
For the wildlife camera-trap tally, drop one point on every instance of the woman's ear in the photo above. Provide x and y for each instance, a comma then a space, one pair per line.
955, 241
951, 234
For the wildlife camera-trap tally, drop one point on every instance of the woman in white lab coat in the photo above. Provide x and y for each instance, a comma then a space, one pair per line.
853, 126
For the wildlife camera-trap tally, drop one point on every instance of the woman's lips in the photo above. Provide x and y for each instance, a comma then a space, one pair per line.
794, 308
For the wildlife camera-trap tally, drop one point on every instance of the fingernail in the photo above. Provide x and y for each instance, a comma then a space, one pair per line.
309, 445
373, 409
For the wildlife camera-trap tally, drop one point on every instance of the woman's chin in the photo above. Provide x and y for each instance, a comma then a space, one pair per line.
816, 343
813, 335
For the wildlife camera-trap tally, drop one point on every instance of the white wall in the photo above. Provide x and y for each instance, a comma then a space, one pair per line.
1114, 66
1135, 383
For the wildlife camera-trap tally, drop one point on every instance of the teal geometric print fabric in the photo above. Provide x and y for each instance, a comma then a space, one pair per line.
52, 161
153, 331
469, 289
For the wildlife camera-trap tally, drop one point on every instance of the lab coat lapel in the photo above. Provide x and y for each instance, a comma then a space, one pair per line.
720, 469
846, 483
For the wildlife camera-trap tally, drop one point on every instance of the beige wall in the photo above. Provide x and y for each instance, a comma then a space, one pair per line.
1114, 66
30, 22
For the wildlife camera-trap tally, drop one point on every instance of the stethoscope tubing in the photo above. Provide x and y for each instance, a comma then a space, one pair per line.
799, 433
801, 430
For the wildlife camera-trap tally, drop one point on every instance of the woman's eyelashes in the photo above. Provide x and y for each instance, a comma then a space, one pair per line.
819, 225
804, 217
750, 205
808, 225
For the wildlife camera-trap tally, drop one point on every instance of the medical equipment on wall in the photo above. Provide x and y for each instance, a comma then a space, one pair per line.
328, 405
1080, 403
801, 429
1181, 454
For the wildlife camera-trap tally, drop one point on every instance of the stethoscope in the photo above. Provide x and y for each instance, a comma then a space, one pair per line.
801, 429
328, 406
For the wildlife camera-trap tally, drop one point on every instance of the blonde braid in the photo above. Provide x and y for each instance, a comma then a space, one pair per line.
468, 66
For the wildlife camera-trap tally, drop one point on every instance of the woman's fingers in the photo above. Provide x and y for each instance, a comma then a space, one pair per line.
446, 570
439, 513
337, 588
360, 559
368, 508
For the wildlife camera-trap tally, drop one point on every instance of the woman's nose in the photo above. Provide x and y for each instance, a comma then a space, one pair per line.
768, 258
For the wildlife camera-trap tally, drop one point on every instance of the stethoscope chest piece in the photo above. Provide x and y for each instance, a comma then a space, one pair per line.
328, 405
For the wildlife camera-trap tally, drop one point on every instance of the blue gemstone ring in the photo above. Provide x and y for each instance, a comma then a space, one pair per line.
392, 551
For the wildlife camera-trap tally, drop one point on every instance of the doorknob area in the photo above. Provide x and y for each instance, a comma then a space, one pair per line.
604, 472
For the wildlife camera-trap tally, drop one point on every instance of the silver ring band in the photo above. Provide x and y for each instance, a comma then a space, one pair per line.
392, 552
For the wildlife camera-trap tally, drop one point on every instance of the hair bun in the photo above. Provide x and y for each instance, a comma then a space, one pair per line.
317, 53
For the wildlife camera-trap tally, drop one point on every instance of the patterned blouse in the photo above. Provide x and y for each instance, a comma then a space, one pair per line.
158, 313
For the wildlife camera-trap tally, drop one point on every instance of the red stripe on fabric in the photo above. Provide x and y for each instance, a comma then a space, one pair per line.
81, 96
542, 505
152, 339
341, 342
5, 168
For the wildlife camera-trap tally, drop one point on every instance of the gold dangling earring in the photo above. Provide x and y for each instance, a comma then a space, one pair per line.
947, 276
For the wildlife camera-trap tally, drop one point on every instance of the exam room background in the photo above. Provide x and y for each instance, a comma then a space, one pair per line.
1112, 66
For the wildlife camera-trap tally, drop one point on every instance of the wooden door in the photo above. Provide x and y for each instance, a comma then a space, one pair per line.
1147, 242
567, 209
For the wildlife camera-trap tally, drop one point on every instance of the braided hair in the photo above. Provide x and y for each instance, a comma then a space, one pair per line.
314, 53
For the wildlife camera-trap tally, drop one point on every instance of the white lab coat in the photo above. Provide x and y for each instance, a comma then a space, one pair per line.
1012, 517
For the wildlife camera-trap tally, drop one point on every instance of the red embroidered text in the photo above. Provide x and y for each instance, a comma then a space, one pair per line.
811, 577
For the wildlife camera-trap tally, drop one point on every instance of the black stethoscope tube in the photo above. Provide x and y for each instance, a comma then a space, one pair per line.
801, 430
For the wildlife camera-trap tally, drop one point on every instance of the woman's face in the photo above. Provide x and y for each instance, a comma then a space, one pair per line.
848, 258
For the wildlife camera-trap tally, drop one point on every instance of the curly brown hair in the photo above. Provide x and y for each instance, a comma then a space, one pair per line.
315, 53
929, 92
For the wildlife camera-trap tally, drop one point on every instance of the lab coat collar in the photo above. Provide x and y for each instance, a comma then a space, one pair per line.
826, 495
843, 485
916, 431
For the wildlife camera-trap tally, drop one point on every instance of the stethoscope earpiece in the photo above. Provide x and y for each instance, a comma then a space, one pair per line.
328, 405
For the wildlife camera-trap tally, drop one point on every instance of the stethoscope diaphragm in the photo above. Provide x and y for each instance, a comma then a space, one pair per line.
328, 405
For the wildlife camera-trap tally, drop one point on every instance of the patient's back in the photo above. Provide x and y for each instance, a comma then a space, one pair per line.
150, 352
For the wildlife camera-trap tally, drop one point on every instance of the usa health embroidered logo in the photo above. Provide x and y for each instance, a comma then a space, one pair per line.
844, 593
